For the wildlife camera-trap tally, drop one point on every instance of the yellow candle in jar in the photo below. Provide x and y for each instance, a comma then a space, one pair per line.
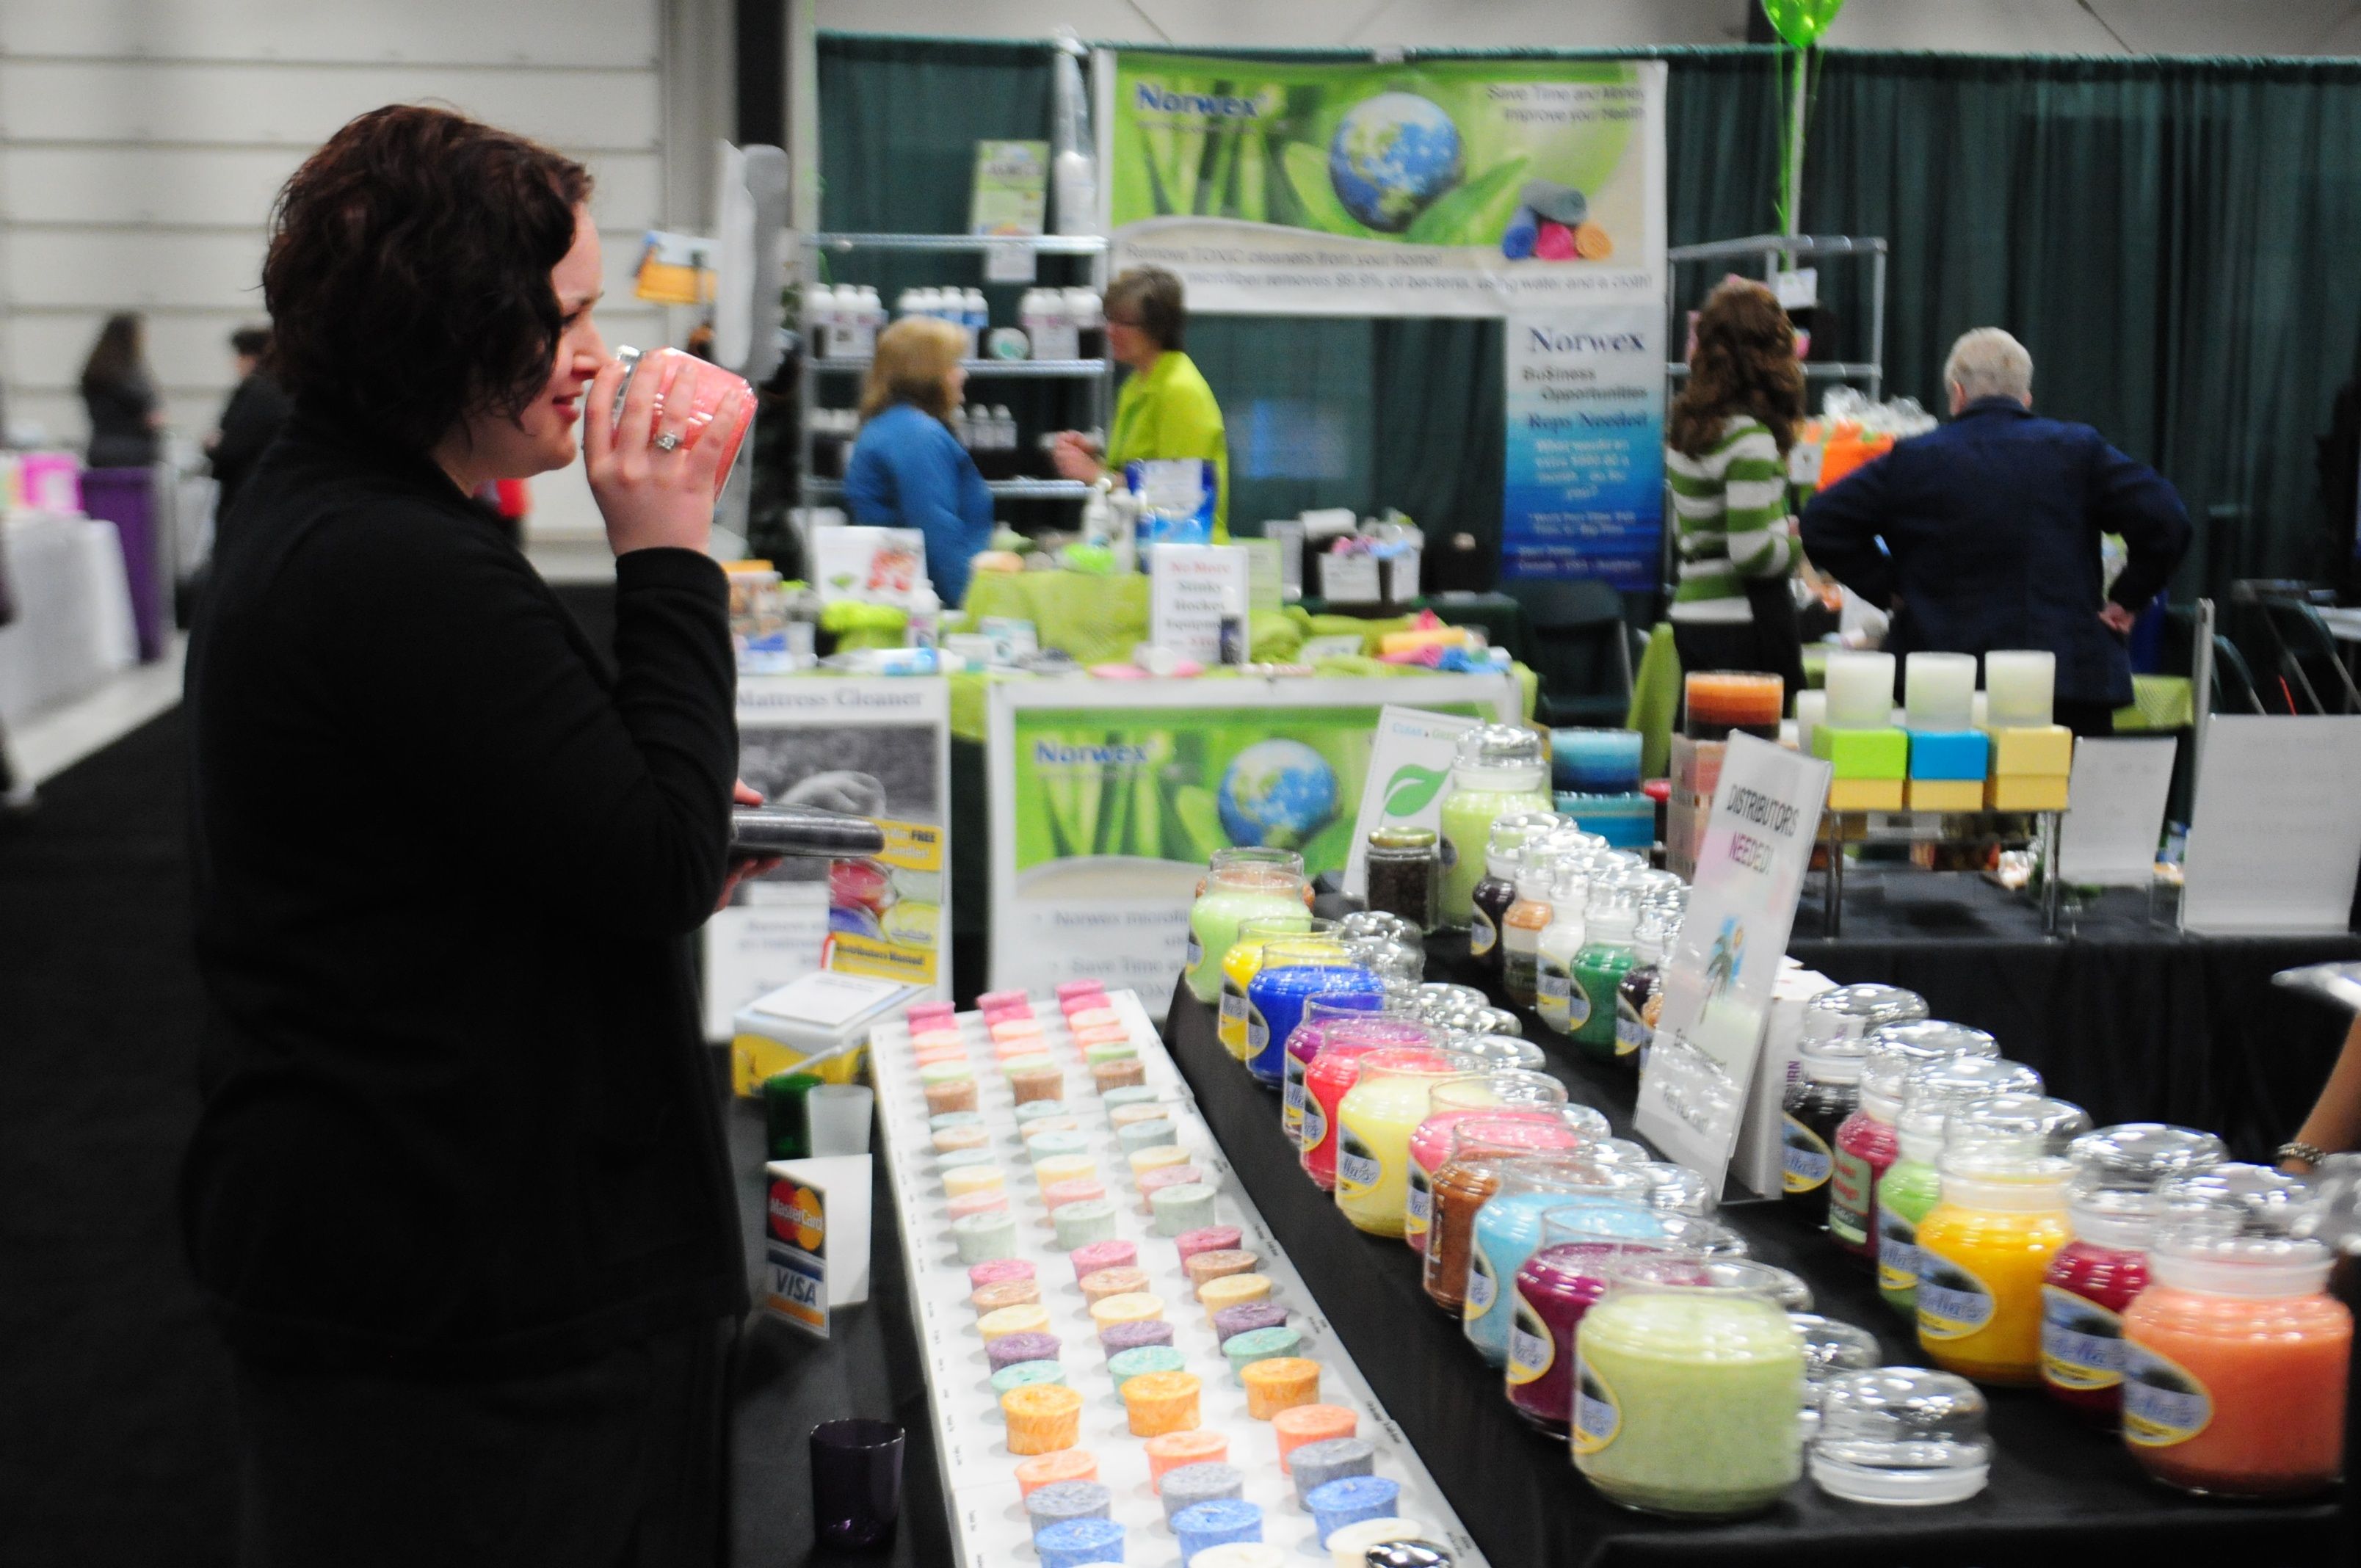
1983, 1254
1373, 1124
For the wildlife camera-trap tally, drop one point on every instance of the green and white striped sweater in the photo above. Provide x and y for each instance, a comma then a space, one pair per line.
1731, 509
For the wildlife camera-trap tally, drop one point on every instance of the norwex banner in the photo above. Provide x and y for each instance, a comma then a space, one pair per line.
1107, 799
1584, 495
1433, 188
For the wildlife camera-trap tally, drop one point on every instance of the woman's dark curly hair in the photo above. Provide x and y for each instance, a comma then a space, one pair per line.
1744, 364
408, 274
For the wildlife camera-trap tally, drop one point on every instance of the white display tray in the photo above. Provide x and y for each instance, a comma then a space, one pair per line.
988, 1521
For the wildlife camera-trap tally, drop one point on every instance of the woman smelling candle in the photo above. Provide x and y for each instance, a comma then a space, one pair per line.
1689, 1390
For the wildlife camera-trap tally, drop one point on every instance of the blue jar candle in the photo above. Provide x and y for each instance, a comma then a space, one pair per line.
1594, 762
1508, 1228
1276, 995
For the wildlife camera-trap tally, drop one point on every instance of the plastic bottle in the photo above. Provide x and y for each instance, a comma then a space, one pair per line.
1520, 929
1498, 770
868, 322
975, 317
1089, 316
1032, 319
1231, 640
1004, 445
1982, 1252
1599, 970
926, 624
1561, 941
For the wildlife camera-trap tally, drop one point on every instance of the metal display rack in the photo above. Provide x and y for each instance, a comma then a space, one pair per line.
1098, 374
1776, 252
2009, 830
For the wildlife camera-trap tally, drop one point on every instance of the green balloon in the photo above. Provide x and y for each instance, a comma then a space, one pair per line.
1801, 22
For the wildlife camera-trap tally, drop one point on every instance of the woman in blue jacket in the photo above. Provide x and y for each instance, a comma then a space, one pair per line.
908, 470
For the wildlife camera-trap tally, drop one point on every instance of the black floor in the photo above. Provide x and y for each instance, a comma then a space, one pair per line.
114, 1414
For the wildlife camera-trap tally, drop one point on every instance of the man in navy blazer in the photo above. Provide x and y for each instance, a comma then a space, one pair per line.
1984, 534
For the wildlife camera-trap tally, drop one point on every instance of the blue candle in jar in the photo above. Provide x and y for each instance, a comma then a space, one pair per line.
1594, 762
1276, 996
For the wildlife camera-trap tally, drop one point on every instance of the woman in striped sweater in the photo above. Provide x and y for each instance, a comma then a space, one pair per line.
1726, 464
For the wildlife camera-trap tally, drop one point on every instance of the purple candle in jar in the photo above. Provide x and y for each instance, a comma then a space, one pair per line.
1556, 1285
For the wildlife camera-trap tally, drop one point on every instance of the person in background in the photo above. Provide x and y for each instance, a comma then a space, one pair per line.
1984, 534
1726, 443
460, 1196
119, 393
2334, 1124
250, 420
1165, 409
908, 470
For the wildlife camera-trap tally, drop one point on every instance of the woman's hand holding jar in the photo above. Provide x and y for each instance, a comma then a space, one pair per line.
655, 474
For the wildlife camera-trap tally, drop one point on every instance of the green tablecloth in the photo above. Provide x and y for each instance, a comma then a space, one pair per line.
971, 705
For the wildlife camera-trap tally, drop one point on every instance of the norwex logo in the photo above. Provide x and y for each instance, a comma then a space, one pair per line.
1156, 100
1546, 340
1049, 754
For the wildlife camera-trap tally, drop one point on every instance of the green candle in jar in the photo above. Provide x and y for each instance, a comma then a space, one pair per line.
1689, 1390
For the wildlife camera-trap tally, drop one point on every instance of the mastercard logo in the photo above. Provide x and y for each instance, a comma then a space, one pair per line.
797, 1215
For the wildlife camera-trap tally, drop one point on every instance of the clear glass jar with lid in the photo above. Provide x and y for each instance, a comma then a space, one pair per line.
1498, 770
1239, 885
1901, 1435
1867, 1144
1490, 1091
1405, 874
1913, 1184
2236, 1360
1504, 849
1244, 959
1689, 1388
1374, 1122
1822, 1091
1481, 1147
1982, 1255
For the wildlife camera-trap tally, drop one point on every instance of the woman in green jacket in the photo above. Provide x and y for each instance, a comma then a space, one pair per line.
1165, 409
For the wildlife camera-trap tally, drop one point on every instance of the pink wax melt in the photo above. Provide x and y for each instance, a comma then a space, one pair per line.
918, 1012
983, 1202
1212, 1238
1156, 1181
1092, 1257
1081, 988
999, 1271
1091, 1017
1057, 1194
1002, 999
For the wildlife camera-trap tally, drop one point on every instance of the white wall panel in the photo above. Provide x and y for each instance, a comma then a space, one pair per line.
185, 351
218, 187
589, 32
127, 270
300, 106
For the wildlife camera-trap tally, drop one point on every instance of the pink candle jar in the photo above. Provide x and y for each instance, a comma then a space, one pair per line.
1332, 1075
1513, 1093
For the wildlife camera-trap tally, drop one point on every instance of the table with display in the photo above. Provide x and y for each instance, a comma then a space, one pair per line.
2056, 1488
73, 625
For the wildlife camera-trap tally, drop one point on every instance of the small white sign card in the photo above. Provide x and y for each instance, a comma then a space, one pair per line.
2276, 836
1410, 766
2118, 791
816, 1229
1186, 593
1718, 977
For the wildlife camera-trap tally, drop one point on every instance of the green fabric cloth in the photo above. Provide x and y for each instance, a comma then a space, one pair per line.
1095, 619
1169, 411
2169, 234
1656, 699
2158, 701
856, 626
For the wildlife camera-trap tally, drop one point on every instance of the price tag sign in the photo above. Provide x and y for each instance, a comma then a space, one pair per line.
1719, 978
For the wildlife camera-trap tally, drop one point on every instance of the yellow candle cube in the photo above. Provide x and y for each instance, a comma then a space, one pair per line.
2026, 792
1947, 794
1865, 795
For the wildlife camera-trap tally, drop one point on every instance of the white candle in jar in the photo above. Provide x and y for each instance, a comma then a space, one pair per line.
2022, 683
1860, 690
1939, 691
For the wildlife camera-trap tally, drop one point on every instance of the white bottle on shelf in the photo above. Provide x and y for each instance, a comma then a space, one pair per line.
976, 317
819, 319
1090, 323
873, 321
925, 627
905, 303
1030, 317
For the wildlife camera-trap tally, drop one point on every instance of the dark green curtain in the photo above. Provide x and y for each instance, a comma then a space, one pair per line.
2172, 239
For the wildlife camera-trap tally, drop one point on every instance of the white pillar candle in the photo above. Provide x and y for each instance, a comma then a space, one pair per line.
1982, 715
1939, 691
1811, 713
1860, 690
2022, 683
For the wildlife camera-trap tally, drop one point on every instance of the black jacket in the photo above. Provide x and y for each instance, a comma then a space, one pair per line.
120, 436
249, 422
1991, 529
458, 1117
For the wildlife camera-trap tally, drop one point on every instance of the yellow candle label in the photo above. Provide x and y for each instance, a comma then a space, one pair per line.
1952, 1302
1806, 1160
1533, 1349
1196, 948
1598, 1414
2082, 1342
1483, 1284
1577, 1005
1899, 1261
2164, 1403
1552, 990
1481, 934
1232, 1024
1358, 1169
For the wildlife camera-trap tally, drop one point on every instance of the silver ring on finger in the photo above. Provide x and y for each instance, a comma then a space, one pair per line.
668, 442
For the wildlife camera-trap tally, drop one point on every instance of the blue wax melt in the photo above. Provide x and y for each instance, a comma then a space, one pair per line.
1078, 1541
1349, 1501
1216, 1523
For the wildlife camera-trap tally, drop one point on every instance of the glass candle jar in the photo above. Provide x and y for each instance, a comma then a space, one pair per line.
1374, 1121
1866, 1144
1557, 946
1480, 1146
1556, 1285
1305, 1044
1332, 1074
1824, 1089
1513, 1092
1912, 1185
1688, 1389
1292, 973
1521, 924
1242, 961
1241, 884
1594, 762
1498, 770
1502, 1053
1901, 1435
1861, 689
2030, 1123
1939, 691
1405, 874
2022, 685
1983, 1254
1509, 1226
2234, 1363
1496, 889
1637, 1003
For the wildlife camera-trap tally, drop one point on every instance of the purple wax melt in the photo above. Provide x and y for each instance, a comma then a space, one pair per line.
1010, 1349
1247, 1318
1133, 1336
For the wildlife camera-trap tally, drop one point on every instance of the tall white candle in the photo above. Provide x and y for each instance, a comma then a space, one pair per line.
2022, 683
1811, 713
1861, 689
1939, 691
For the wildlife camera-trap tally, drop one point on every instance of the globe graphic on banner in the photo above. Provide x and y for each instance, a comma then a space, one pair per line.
1277, 793
1391, 157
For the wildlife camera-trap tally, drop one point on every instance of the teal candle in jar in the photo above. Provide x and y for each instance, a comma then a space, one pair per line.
1498, 769
1241, 886
1689, 1388
1509, 1227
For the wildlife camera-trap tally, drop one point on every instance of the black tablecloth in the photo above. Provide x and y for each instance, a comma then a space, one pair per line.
2057, 1487
2127, 1018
